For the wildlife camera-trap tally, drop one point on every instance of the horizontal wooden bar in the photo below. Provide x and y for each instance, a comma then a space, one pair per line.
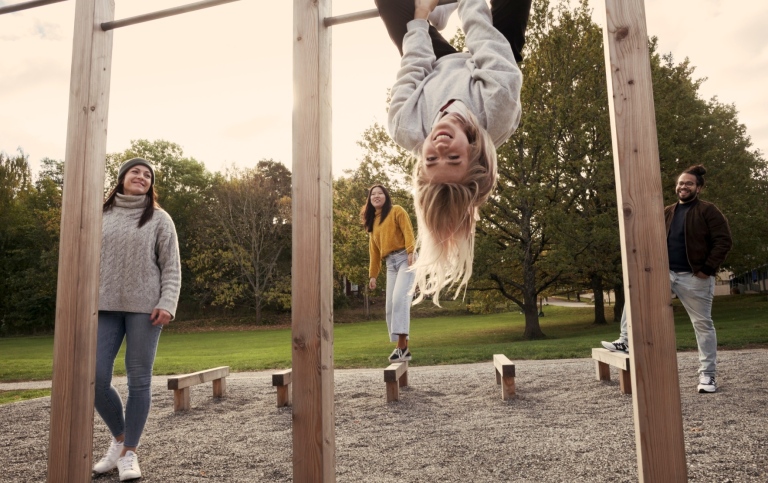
25, 5
365, 14
180, 382
168, 12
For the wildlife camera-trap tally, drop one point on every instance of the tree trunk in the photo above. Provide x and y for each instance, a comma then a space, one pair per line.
530, 307
596, 284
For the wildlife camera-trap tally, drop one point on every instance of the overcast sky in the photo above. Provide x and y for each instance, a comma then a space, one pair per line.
218, 81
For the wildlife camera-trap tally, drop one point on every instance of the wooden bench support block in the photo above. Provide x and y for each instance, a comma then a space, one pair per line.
602, 371
505, 375
219, 387
396, 376
181, 399
282, 381
625, 382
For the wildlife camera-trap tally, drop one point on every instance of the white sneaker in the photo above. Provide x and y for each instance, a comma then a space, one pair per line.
440, 15
128, 466
707, 384
109, 461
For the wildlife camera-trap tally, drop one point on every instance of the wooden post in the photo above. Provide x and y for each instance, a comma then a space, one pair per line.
312, 281
74, 353
656, 395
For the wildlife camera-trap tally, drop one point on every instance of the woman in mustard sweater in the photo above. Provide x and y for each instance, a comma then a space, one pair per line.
391, 239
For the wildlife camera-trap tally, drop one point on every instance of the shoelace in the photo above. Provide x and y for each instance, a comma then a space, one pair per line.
126, 462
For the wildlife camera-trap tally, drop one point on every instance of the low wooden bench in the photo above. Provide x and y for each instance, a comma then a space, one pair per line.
282, 381
505, 375
396, 376
604, 359
181, 384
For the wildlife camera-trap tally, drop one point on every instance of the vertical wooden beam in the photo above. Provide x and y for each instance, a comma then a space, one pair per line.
312, 306
74, 355
656, 395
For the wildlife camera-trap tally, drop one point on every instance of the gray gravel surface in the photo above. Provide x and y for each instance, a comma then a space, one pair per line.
449, 426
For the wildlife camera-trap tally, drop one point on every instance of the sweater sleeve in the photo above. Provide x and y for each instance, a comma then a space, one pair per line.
406, 227
496, 74
169, 261
720, 233
375, 255
415, 66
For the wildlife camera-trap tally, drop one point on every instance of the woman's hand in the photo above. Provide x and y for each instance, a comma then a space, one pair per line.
701, 275
410, 259
423, 8
372, 284
160, 317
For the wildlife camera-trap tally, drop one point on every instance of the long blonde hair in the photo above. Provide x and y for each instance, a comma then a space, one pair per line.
446, 214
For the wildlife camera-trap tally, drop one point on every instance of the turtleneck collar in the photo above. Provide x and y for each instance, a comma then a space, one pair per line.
130, 201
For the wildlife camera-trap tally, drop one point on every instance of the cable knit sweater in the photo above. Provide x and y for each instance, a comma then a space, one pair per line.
140, 267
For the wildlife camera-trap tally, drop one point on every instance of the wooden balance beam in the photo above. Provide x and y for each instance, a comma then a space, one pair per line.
282, 381
604, 359
181, 384
505, 375
396, 376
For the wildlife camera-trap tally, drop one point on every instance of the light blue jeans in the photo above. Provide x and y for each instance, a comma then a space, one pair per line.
398, 307
141, 339
696, 295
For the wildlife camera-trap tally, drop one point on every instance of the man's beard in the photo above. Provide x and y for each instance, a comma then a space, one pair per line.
688, 198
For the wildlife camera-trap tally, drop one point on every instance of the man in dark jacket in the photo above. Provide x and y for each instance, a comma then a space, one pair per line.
698, 240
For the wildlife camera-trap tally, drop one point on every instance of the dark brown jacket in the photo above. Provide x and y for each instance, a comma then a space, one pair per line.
707, 235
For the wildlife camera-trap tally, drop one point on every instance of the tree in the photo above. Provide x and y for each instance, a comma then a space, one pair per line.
546, 170
241, 248
29, 233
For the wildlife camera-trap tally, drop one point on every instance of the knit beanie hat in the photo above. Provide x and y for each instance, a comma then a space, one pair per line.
133, 162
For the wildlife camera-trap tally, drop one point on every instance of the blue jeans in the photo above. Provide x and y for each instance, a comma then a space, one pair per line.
399, 298
696, 295
141, 345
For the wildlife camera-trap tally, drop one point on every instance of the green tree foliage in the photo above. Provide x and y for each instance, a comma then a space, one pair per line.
29, 234
240, 254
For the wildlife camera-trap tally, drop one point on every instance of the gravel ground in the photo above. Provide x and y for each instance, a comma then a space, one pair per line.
449, 426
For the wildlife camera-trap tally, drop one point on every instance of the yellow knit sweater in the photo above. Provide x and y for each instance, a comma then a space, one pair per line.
394, 234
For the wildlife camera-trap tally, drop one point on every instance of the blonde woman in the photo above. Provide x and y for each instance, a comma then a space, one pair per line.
391, 239
452, 109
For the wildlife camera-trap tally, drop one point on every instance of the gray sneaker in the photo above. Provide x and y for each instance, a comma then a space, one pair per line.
707, 384
616, 346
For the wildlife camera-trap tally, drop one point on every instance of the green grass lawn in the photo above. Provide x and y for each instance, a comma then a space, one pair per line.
740, 321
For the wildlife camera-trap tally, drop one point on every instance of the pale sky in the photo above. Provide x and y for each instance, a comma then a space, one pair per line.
218, 81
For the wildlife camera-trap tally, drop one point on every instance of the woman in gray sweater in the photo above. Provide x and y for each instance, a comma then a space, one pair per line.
452, 109
139, 288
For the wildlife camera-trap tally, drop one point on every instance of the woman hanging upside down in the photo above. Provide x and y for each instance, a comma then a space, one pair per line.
452, 110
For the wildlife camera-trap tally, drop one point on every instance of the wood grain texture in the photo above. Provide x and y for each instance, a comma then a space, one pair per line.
72, 393
312, 281
659, 433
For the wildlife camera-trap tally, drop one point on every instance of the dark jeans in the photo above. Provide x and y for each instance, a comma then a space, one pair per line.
510, 17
